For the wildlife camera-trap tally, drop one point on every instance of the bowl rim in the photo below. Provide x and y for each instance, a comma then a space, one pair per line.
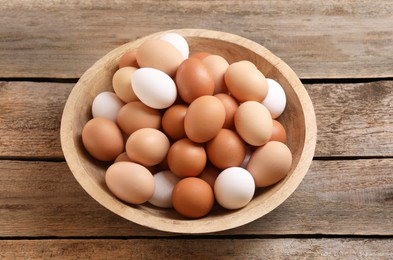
231, 220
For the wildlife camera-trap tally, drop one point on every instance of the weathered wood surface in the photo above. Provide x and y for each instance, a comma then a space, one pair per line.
318, 39
352, 119
345, 197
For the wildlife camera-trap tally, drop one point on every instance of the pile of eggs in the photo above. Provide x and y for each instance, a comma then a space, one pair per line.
184, 131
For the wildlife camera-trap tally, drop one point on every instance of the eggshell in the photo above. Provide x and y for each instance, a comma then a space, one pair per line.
234, 188
186, 158
147, 146
253, 123
270, 163
164, 182
159, 54
200, 55
102, 139
275, 100
106, 104
173, 121
204, 118
130, 182
193, 79
209, 174
246, 82
226, 149
154, 88
128, 59
192, 197
136, 115
217, 66
177, 41
230, 105
121, 83
279, 133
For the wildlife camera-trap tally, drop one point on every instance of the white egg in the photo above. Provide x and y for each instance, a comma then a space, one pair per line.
154, 88
234, 188
178, 41
106, 104
164, 182
275, 100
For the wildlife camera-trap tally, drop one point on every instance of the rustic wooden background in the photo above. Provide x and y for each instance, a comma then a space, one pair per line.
341, 50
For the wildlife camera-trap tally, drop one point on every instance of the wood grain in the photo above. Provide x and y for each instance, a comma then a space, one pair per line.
198, 249
348, 197
332, 39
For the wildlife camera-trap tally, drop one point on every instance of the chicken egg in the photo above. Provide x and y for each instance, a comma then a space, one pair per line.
218, 66
121, 83
106, 104
177, 41
164, 182
128, 59
275, 100
173, 121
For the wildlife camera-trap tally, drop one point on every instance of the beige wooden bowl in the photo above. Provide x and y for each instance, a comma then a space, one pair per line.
298, 119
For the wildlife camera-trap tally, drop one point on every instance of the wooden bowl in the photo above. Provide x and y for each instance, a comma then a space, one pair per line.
298, 119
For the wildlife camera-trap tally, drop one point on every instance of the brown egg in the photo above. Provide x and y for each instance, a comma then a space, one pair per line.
246, 82
130, 182
192, 197
253, 123
147, 146
193, 79
218, 66
173, 121
186, 158
270, 163
102, 139
204, 118
136, 115
121, 83
279, 133
210, 174
159, 54
200, 55
230, 105
122, 158
128, 60
226, 149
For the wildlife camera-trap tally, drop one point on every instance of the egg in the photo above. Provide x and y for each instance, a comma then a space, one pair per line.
186, 158
160, 55
279, 133
200, 55
253, 123
130, 182
106, 104
204, 118
147, 146
122, 158
192, 197
154, 88
218, 66
193, 79
270, 163
136, 115
128, 59
230, 105
209, 174
178, 41
246, 82
121, 82
102, 139
164, 182
173, 121
234, 188
226, 149
275, 100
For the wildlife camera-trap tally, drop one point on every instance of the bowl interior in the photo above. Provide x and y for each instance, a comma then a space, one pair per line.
298, 119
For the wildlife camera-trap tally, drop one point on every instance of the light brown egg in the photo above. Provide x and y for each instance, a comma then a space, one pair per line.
173, 121
209, 174
128, 59
218, 66
230, 105
102, 139
186, 158
204, 118
123, 157
200, 55
192, 197
279, 133
193, 79
246, 82
253, 123
147, 146
159, 54
270, 163
130, 182
121, 83
226, 149
136, 115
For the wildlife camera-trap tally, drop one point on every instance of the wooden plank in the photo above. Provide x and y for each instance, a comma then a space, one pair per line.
352, 119
334, 39
345, 197
325, 248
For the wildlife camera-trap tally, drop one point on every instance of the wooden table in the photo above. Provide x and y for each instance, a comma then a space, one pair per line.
341, 50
